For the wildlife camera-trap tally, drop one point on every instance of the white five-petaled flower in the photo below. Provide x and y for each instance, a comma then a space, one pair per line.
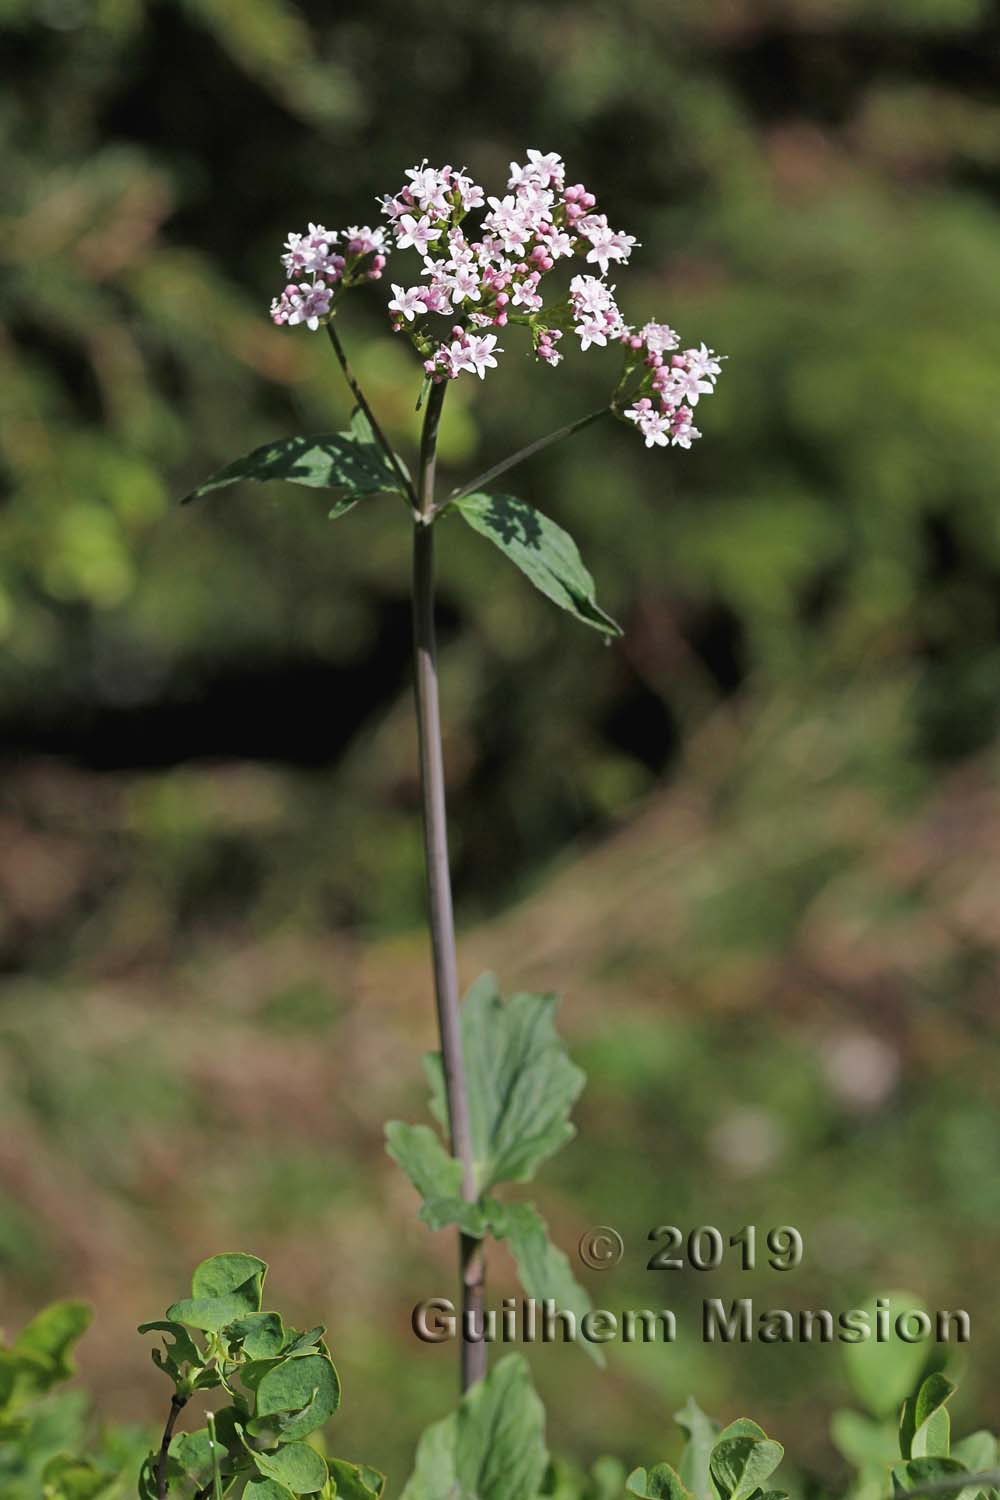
476, 354
416, 232
408, 301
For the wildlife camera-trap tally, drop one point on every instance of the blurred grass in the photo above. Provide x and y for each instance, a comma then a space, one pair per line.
755, 845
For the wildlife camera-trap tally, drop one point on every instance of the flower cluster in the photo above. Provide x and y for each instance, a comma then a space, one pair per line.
493, 277
477, 281
664, 402
361, 257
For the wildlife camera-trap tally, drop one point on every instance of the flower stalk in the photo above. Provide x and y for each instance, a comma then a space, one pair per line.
441, 916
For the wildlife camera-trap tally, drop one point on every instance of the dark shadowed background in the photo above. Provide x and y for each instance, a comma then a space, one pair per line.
755, 845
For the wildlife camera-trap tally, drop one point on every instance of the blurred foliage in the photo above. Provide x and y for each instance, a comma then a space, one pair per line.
761, 831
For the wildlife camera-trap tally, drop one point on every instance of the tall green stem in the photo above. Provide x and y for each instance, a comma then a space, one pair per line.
442, 923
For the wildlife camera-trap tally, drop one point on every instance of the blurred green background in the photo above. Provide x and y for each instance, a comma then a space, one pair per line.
755, 845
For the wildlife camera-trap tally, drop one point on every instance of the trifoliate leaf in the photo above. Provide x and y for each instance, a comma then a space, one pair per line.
521, 1083
546, 554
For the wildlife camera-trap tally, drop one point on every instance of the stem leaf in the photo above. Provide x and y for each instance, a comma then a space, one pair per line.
521, 1083
546, 554
350, 461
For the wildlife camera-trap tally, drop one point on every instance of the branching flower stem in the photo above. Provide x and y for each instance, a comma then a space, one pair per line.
360, 398
522, 453
439, 878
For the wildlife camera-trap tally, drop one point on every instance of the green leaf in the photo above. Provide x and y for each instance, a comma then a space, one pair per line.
301, 1343
695, 1465
743, 1457
179, 1349
437, 1177
221, 1275
931, 1422
543, 1268
499, 1440
298, 1395
884, 1373
259, 1335
355, 1481
545, 553
42, 1349
420, 1153
434, 1466
259, 1488
865, 1443
521, 1083
223, 1289
350, 461
920, 1471
193, 1452
607, 1479
295, 1465
978, 1451
661, 1483
74, 1479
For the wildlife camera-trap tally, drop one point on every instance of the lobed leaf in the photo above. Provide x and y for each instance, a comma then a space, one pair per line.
521, 1083
545, 554
543, 1268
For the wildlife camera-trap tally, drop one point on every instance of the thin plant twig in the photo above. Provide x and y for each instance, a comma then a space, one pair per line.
522, 453
442, 923
362, 401
177, 1405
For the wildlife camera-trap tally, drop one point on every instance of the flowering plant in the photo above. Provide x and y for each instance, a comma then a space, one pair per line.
502, 1085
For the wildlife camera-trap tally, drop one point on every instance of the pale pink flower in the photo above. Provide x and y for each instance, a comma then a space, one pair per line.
408, 301
416, 232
